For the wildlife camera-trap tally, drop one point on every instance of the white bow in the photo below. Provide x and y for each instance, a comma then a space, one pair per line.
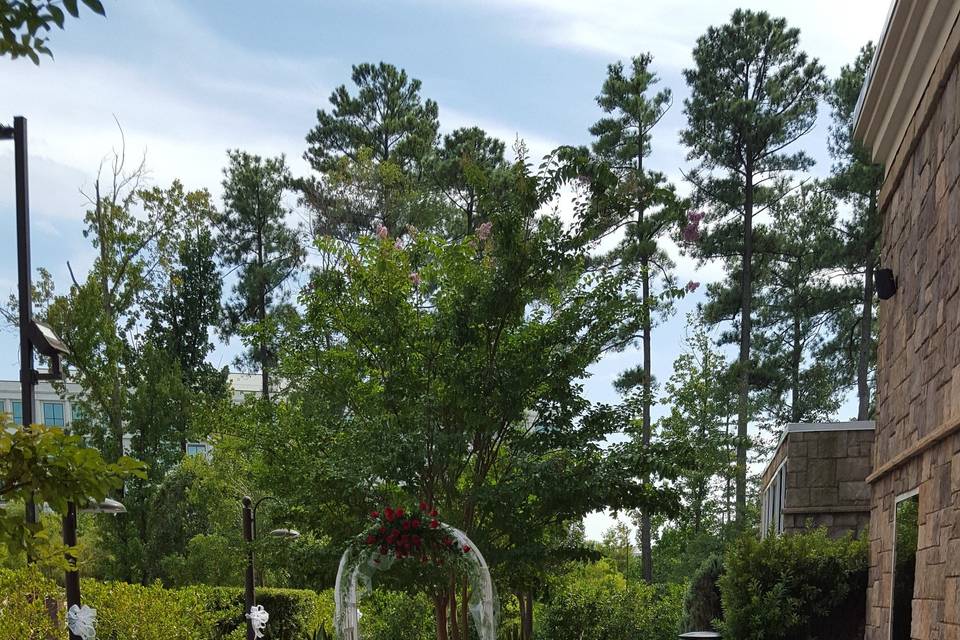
258, 620
82, 621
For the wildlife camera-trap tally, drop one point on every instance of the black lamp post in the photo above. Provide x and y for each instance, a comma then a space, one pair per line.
72, 577
18, 133
249, 535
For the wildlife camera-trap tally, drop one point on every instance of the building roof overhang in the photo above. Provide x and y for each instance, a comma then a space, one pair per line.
913, 39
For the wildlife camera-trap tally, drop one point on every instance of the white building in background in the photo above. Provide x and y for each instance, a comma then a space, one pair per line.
54, 410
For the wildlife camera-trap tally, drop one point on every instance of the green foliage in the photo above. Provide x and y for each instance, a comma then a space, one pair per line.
387, 130
856, 179
702, 602
470, 170
595, 601
699, 392
387, 615
797, 301
797, 586
753, 93
265, 253
449, 369
26, 609
50, 467
641, 203
25, 23
154, 613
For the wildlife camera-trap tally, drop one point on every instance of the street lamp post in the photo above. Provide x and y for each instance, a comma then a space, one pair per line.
18, 133
249, 535
72, 577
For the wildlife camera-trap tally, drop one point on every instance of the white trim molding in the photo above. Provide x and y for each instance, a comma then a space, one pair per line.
910, 47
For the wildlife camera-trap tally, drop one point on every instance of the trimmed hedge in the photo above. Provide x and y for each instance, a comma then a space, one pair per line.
597, 602
804, 585
130, 611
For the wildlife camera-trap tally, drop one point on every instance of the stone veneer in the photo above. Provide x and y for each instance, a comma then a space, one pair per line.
918, 363
826, 473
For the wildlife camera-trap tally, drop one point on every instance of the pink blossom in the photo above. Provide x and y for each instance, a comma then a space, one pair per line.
484, 230
692, 286
691, 232
382, 232
695, 216
398, 244
415, 279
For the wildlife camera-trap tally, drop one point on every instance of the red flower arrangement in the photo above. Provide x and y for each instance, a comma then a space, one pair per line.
411, 534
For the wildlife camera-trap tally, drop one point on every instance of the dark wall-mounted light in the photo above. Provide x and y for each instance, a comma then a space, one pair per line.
886, 283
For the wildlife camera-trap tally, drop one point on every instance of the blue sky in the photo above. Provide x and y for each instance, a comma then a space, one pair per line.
189, 80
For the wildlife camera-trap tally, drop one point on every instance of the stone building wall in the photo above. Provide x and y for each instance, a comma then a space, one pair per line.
918, 367
826, 481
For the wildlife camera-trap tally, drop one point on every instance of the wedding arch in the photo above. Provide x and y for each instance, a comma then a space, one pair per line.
411, 536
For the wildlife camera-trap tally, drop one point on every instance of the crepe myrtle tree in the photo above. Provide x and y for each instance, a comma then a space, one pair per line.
448, 371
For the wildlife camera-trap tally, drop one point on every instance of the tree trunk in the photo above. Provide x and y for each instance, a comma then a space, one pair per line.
464, 611
454, 625
726, 472
866, 326
440, 616
527, 620
746, 298
646, 550
795, 361
863, 351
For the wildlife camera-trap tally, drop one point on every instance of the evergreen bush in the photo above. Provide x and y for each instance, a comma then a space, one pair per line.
801, 586
701, 604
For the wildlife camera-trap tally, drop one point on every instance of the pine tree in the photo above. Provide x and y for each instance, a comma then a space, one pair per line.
798, 300
370, 150
470, 170
856, 179
753, 94
256, 243
645, 210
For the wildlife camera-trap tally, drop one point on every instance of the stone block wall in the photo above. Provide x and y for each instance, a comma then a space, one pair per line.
918, 367
826, 475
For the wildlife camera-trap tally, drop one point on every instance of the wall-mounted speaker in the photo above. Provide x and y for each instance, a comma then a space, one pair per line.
886, 283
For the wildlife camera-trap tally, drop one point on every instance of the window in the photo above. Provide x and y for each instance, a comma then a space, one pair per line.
16, 411
771, 514
196, 449
53, 414
906, 530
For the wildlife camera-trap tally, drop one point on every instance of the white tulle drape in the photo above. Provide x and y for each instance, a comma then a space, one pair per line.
358, 571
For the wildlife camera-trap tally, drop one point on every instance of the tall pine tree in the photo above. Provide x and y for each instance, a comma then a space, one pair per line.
856, 179
798, 299
256, 244
370, 150
644, 211
753, 93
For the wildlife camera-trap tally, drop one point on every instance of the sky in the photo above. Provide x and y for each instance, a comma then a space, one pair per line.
187, 81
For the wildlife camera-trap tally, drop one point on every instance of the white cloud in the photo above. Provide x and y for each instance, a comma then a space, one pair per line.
622, 28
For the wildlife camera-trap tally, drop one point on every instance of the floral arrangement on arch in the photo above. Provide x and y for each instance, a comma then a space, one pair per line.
407, 534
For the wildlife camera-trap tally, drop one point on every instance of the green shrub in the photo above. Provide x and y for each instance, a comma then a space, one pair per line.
701, 604
130, 611
396, 615
126, 611
805, 586
294, 613
23, 606
596, 602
